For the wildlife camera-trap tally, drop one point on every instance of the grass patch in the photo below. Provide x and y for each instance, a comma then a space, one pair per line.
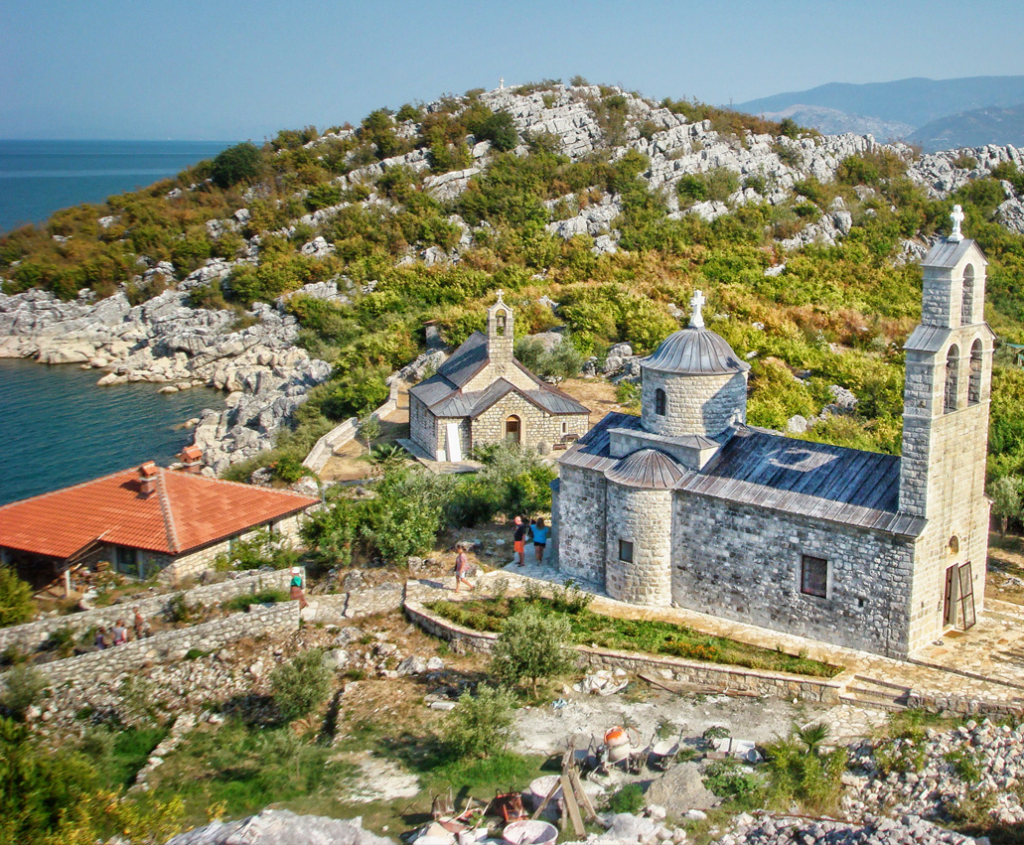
245, 768
262, 597
652, 637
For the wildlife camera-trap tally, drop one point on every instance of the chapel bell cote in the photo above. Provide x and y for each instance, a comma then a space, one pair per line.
500, 335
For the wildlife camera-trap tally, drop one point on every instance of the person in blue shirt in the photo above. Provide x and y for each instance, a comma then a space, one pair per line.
540, 538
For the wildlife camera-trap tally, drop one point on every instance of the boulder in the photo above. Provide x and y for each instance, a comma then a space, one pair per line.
680, 789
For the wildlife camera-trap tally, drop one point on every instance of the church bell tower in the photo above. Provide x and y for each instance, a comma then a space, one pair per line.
945, 436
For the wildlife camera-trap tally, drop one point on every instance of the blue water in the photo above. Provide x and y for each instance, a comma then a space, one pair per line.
58, 428
40, 177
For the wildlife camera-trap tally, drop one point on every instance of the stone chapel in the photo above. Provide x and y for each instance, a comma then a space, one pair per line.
483, 395
687, 505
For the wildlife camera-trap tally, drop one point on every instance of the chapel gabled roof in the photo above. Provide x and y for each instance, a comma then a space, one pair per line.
442, 392
184, 512
946, 253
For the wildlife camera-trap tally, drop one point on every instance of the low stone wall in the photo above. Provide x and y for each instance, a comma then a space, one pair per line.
31, 635
338, 436
336, 608
774, 684
174, 645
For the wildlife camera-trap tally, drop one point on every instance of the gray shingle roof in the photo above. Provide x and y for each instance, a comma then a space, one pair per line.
695, 351
442, 392
949, 253
765, 469
649, 469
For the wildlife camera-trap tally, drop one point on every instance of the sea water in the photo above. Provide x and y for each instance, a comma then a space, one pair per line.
58, 428
40, 177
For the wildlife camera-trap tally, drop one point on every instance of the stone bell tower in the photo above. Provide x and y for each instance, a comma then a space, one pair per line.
500, 336
945, 437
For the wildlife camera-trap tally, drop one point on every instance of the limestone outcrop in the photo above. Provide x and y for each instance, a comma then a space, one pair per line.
167, 342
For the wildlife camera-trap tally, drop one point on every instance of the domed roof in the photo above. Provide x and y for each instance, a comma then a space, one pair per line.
648, 468
695, 350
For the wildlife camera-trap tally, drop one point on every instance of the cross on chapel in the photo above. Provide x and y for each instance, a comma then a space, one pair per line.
499, 293
696, 318
957, 217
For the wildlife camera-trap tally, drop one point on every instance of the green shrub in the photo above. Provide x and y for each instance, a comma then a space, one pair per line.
500, 130
532, 646
482, 724
25, 685
727, 779
243, 602
240, 163
301, 684
61, 641
627, 799
16, 605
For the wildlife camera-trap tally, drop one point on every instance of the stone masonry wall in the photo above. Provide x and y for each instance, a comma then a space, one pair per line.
744, 563
33, 634
174, 645
581, 518
191, 565
644, 518
775, 684
422, 425
706, 405
536, 425
441, 432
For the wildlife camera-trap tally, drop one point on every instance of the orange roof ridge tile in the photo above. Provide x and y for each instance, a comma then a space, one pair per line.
167, 511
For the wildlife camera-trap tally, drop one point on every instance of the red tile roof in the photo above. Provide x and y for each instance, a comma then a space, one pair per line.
184, 512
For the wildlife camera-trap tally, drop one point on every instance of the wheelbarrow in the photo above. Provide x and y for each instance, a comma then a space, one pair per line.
663, 752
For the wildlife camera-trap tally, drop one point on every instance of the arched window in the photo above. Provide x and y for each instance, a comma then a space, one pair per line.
967, 300
499, 322
974, 385
954, 545
660, 402
952, 373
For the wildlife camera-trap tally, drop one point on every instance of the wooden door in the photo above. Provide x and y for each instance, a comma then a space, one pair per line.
949, 601
513, 429
967, 595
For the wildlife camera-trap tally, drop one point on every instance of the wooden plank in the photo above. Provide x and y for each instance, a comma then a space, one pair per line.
547, 799
581, 794
572, 807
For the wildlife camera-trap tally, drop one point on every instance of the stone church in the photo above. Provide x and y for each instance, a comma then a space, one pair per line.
483, 395
687, 505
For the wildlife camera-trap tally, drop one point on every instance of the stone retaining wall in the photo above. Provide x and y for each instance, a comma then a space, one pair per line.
336, 608
344, 433
31, 635
174, 645
739, 678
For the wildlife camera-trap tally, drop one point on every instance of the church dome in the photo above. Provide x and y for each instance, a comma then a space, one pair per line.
695, 350
648, 469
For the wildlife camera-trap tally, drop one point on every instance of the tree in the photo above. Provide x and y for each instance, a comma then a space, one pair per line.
369, 429
301, 684
15, 599
500, 130
482, 724
1006, 494
532, 645
236, 164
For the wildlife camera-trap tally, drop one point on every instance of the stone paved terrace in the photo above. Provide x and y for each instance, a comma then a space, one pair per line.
985, 664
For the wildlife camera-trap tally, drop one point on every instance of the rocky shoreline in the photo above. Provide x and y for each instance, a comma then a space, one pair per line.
166, 342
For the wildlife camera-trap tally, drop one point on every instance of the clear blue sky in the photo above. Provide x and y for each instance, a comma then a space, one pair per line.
226, 71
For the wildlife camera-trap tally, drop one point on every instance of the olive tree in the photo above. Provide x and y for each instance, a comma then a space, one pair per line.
532, 646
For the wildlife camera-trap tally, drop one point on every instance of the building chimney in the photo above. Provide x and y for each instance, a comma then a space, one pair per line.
147, 479
191, 460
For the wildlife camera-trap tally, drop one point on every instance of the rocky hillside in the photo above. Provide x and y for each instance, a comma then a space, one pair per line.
597, 209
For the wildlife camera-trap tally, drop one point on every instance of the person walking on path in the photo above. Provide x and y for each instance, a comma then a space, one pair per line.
540, 538
119, 632
296, 591
461, 568
101, 638
140, 625
519, 541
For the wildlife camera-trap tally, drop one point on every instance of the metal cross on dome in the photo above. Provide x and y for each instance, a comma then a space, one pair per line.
957, 217
696, 318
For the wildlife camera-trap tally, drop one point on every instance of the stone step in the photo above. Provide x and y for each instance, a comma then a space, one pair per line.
859, 699
864, 679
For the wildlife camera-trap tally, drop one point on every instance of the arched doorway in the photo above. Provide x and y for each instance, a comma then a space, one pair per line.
513, 429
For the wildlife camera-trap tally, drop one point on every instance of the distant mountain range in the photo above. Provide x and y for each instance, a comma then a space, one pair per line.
937, 114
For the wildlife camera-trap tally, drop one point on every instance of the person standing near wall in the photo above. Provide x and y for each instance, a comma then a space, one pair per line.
519, 541
296, 592
540, 538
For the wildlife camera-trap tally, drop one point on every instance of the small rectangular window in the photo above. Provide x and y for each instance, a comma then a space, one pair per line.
625, 551
814, 576
565, 428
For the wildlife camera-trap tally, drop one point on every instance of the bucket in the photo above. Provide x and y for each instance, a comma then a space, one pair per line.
539, 790
530, 833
